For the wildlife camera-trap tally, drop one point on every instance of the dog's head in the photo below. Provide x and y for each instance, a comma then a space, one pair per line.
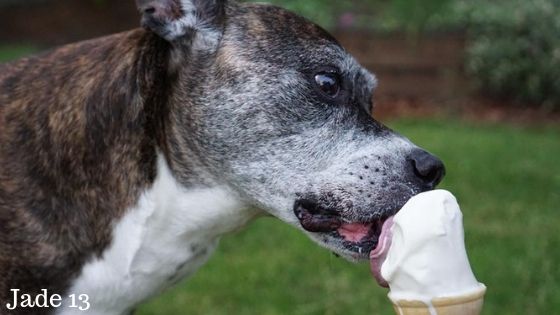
270, 104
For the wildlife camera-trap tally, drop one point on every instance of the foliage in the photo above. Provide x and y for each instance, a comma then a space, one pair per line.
412, 15
8, 53
323, 12
515, 50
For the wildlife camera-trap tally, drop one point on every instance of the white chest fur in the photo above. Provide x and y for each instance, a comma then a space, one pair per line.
166, 237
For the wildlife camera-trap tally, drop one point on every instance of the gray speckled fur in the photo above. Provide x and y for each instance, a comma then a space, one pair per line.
250, 118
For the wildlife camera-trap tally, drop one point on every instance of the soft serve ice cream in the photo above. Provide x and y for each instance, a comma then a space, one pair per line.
421, 251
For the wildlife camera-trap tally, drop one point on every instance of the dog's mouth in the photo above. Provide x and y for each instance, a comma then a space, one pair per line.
361, 238
355, 237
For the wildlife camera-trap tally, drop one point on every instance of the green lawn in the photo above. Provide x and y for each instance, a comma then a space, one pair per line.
507, 180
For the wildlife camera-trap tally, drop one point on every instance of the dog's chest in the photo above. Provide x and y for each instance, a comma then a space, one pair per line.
166, 237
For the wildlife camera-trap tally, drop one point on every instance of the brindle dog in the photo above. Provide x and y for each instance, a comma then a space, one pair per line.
124, 159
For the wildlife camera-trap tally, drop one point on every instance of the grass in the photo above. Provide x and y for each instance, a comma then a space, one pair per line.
507, 180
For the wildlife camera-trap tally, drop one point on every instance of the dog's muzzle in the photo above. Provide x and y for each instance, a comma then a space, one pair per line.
359, 229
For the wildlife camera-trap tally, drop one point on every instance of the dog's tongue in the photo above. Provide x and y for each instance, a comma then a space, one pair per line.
378, 255
355, 232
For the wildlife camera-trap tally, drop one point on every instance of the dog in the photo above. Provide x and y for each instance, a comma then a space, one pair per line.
124, 159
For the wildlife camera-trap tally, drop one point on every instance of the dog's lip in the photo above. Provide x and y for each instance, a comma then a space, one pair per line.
315, 219
341, 229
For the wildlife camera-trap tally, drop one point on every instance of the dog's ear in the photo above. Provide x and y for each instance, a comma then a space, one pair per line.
197, 22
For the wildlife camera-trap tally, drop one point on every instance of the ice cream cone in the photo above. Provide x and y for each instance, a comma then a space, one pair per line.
468, 304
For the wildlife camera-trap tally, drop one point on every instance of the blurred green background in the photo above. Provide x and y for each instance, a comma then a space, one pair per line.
475, 82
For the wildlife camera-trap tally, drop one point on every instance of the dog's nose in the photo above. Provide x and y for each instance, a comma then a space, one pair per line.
427, 167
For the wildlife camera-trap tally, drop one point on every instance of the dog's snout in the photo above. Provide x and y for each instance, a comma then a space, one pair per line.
427, 167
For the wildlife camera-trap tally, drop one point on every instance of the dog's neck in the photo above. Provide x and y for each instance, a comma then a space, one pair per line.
175, 225
166, 237
88, 155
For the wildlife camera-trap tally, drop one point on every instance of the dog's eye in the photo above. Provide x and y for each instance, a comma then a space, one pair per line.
328, 82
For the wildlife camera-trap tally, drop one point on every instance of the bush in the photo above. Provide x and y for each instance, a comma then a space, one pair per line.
515, 50
323, 12
380, 15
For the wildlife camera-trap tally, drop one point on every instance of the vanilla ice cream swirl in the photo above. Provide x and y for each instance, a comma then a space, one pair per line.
427, 256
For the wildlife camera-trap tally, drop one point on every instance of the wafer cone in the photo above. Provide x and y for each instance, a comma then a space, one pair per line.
468, 304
